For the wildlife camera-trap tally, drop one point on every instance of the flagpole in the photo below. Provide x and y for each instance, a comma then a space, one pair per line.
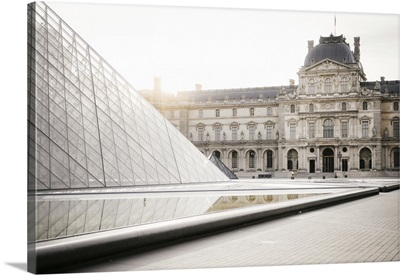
334, 30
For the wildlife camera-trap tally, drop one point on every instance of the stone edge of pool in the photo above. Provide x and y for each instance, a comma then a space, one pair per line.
51, 255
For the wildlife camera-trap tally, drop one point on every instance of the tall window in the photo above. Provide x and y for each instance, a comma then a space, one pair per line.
252, 159
251, 111
344, 85
217, 113
364, 127
344, 129
269, 111
328, 128
234, 133
311, 86
311, 108
269, 132
311, 129
252, 132
217, 133
200, 113
234, 112
396, 131
328, 86
365, 105
292, 108
395, 106
292, 132
200, 134
344, 106
234, 159
396, 157
269, 159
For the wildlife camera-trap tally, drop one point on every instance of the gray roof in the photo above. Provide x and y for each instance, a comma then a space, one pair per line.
221, 94
332, 47
388, 86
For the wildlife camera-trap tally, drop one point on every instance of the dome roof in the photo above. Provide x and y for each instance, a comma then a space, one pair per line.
332, 47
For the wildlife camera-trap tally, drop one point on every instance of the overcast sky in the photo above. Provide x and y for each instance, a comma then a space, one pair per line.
224, 47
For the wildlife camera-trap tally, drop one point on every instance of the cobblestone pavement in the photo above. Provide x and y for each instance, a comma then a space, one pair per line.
361, 231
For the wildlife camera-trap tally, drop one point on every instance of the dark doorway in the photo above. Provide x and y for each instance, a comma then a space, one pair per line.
365, 159
290, 164
327, 160
396, 158
312, 165
345, 165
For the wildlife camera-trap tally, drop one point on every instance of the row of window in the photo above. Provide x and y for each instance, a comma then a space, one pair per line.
327, 162
328, 130
292, 109
328, 85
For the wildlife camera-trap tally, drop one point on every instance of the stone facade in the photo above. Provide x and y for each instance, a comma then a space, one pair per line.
333, 121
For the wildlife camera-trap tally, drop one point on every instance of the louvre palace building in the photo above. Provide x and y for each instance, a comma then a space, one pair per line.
333, 122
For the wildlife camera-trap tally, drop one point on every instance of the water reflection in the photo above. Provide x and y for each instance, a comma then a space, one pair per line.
231, 202
70, 216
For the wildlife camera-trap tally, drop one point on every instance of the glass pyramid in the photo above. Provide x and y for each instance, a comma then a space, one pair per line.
217, 162
88, 127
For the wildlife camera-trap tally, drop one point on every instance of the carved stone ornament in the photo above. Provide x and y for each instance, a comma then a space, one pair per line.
292, 94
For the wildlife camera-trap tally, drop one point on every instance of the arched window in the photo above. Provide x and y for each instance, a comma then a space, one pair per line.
396, 158
234, 159
328, 86
311, 86
365, 105
252, 159
395, 106
292, 160
292, 108
217, 113
251, 111
365, 159
311, 108
328, 128
217, 154
269, 159
344, 85
234, 112
344, 106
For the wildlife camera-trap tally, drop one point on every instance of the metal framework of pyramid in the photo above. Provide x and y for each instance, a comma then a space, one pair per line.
88, 127
217, 162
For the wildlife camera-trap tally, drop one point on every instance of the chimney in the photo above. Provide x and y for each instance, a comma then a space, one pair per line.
357, 48
382, 79
198, 87
310, 45
291, 82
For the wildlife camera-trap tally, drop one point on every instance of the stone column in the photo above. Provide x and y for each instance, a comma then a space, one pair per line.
318, 165
240, 159
354, 157
335, 159
284, 159
259, 165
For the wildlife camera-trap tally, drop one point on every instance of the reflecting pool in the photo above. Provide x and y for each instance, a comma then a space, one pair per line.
71, 215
